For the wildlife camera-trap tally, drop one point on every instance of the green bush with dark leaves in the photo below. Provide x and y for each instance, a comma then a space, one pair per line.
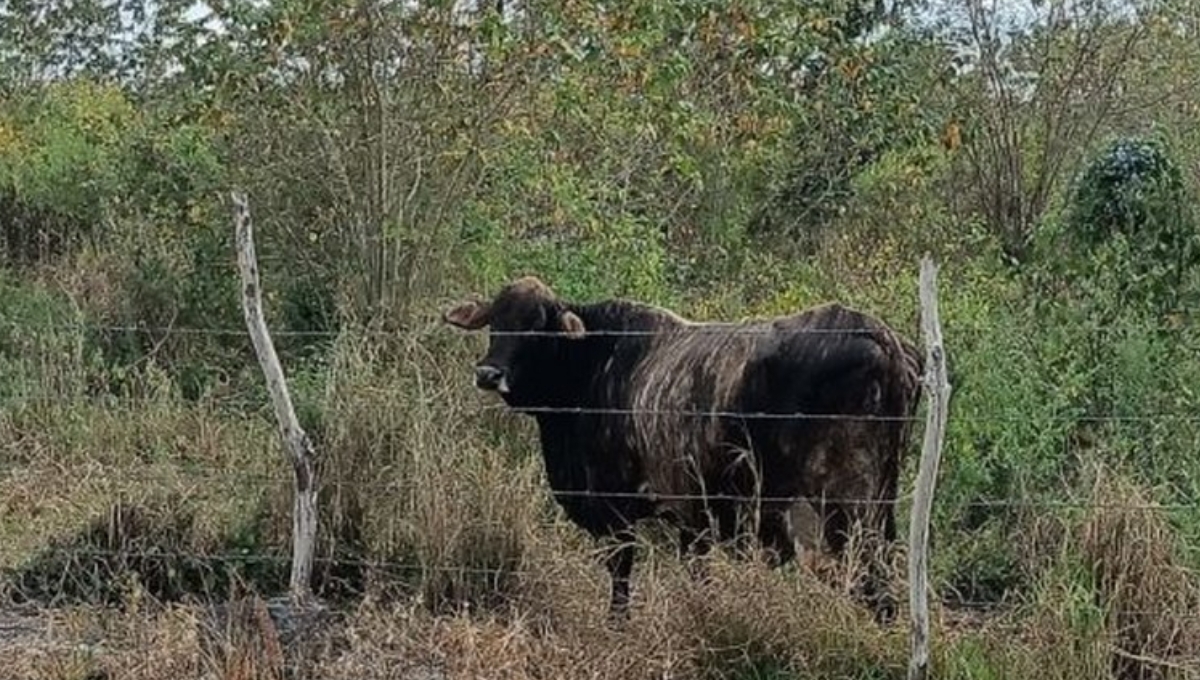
1131, 203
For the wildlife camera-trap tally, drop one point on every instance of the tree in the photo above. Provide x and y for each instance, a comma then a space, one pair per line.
1035, 91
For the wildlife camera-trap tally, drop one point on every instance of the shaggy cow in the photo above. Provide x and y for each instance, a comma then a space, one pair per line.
642, 413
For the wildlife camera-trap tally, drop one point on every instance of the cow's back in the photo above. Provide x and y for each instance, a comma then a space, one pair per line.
852, 385
681, 396
676, 401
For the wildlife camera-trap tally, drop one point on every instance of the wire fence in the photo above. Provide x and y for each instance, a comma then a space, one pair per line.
17, 400
760, 327
518, 566
79, 474
82, 471
202, 474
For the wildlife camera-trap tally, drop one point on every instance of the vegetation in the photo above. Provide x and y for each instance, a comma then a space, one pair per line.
724, 159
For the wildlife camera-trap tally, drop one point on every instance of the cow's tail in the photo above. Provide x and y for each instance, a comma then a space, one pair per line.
907, 390
904, 391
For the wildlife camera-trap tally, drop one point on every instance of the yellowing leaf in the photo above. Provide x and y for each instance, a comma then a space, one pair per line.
626, 51
850, 68
952, 136
8, 137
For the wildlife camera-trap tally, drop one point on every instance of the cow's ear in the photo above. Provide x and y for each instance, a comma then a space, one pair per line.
572, 325
471, 315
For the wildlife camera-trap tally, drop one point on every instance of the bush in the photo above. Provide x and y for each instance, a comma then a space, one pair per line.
61, 160
43, 354
1131, 198
1119, 190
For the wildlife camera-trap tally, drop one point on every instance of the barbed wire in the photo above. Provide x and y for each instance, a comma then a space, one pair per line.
431, 330
275, 558
16, 401
519, 568
378, 484
952, 604
759, 326
853, 417
118, 475
697, 413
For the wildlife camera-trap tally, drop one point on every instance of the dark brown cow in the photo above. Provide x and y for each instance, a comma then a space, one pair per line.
642, 413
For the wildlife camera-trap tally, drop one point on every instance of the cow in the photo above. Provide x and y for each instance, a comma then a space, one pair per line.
642, 413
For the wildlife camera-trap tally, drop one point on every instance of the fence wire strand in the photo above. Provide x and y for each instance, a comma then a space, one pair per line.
520, 568
754, 327
42, 400
12, 475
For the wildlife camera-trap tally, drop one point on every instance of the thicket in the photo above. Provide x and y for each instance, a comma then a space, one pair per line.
726, 159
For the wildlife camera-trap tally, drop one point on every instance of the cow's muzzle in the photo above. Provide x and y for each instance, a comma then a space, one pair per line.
491, 378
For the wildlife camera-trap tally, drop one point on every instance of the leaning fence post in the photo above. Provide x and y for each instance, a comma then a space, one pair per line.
938, 386
296, 442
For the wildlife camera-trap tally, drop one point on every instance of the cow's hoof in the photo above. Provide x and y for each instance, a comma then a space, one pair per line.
618, 619
885, 611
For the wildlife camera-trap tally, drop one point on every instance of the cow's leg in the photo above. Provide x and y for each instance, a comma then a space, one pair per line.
775, 535
879, 519
729, 527
875, 524
693, 542
721, 522
620, 568
881, 563
878, 592
694, 546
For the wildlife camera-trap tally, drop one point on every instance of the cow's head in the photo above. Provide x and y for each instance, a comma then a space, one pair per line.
526, 319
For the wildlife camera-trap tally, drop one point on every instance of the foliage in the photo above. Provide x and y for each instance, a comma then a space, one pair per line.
1031, 95
61, 156
1131, 197
861, 103
657, 128
725, 159
85, 175
41, 353
1120, 188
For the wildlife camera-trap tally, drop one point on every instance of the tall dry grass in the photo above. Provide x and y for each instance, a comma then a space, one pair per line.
1150, 599
744, 621
407, 472
456, 565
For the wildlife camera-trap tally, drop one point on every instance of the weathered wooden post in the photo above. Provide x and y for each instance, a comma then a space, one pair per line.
295, 441
938, 386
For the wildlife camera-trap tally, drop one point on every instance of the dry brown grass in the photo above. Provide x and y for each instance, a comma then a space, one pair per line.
92, 642
742, 621
1150, 599
487, 580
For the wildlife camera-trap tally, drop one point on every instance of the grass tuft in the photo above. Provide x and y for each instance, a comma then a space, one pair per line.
1150, 599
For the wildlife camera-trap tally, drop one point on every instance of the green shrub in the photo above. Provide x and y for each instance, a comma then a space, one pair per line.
1120, 189
1132, 222
43, 355
62, 158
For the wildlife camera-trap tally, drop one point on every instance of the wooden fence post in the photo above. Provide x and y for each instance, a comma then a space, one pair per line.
295, 440
938, 387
